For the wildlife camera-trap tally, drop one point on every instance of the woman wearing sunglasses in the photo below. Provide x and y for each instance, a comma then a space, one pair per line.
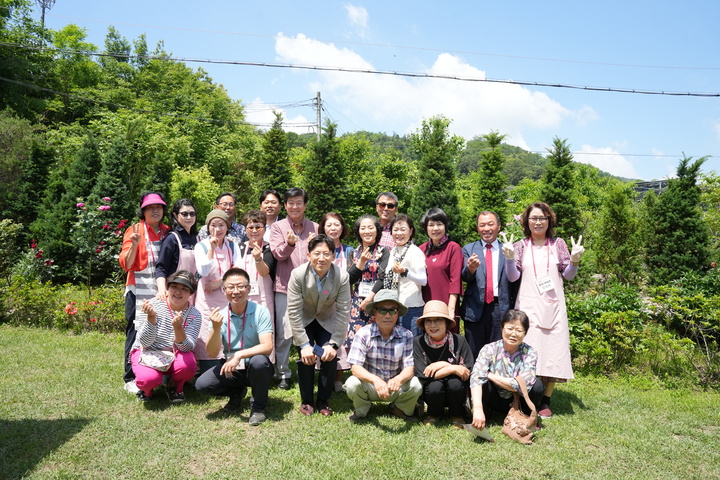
176, 251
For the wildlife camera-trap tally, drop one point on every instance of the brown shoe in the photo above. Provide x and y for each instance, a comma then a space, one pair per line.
324, 409
430, 420
307, 409
400, 414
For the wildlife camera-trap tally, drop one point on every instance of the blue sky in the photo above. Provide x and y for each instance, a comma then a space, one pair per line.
642, 45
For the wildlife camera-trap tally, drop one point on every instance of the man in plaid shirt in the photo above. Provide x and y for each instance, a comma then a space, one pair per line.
381, 357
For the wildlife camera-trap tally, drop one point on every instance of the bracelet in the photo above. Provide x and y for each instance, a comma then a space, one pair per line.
258, 261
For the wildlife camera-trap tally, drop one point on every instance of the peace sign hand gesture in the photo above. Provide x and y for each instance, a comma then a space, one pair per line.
508, 249
577, 249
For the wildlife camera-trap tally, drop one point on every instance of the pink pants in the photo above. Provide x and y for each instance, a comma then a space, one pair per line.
182, 369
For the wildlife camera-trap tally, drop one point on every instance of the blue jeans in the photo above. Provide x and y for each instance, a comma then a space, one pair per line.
409, 320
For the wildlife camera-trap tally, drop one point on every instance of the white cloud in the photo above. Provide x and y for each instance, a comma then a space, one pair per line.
398, 104
608, 160
358, 16
717, 129
260, 113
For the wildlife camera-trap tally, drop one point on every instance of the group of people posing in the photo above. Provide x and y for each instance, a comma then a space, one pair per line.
226, 303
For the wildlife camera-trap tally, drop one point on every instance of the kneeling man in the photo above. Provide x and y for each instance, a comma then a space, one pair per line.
381, 359
244, 331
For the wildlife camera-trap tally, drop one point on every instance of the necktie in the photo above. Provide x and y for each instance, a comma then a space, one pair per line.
489, 294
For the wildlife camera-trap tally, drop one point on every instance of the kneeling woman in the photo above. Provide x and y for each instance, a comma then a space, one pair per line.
442, 364
494, 376
166, 339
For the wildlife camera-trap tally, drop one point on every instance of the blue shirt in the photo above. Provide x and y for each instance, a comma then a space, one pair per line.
257, 322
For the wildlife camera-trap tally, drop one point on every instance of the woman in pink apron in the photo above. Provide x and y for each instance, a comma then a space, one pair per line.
213, 257
176, 251
543, 261
259, 263
333, 226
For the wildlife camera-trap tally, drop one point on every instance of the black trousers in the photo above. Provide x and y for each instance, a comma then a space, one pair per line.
257, 375
449, 392
130, 335
306, 373
493, 401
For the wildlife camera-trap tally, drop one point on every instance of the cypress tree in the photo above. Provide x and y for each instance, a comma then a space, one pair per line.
558, 190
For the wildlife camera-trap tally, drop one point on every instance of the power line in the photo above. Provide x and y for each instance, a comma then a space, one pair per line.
378, 72
403, 47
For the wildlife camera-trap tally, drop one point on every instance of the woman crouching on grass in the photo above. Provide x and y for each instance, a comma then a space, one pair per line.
166, 339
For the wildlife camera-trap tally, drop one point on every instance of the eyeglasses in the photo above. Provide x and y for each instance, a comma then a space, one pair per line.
389, 206
254, 228
226, 204
187, 214
387, 311
236, 288
538, 219
321, 254
519, 331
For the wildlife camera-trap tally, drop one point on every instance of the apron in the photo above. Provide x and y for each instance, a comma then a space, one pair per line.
549, 333
145, 287
186, 261
205, 302
261, 288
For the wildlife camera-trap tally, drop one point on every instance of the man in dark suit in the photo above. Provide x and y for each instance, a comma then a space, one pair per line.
488, 294
318, 312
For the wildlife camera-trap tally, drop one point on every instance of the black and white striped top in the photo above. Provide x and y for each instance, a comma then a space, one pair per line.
161, 336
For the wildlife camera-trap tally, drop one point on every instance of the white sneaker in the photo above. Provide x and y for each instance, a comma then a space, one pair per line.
130, 387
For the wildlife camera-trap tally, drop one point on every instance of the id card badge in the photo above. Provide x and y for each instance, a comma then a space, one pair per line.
545, 284
241, 365
254, 289
365, 289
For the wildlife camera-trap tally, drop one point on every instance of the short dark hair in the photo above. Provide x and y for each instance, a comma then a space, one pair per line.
142, 197
183, 202
318, 239
512, 315
226, 194
254, 216
547, 211
339, 218
235, 272
488, 212
435, 214
378, 228
387, 194
401, 217
295, 192
265, 193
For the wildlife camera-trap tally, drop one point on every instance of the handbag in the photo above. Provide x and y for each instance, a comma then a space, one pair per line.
160, 360
517, 425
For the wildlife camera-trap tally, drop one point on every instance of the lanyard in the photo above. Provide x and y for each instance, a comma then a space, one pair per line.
172, 312
547, 244
225, 244
242, 328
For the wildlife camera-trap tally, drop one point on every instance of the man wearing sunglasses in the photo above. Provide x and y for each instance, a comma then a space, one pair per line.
381, 358
386, 205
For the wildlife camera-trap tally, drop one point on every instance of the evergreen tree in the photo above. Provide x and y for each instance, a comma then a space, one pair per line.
324, 176
489, 181
681, 238
273, 166
437, 152
112, 182
559, 190
617, 241
59, 208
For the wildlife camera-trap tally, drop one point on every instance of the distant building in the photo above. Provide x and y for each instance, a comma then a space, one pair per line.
659, 186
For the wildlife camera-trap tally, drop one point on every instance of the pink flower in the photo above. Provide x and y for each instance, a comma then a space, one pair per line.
80, 205
713, 264
33, 245
104, 207
39, 254
98, 250
106, 199
48, 262
517, 217
70, 309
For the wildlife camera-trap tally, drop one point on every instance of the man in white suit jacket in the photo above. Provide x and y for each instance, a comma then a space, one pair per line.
318, 313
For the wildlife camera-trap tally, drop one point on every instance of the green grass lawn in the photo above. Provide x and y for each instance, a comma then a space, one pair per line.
64, 414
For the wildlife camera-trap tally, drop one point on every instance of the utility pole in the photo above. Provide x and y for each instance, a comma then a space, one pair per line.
44, 5
318, 105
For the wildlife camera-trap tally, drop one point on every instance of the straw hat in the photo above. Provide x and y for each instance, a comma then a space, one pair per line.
435, 309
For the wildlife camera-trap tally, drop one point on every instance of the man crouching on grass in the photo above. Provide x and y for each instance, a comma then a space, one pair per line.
381, 359
244, 331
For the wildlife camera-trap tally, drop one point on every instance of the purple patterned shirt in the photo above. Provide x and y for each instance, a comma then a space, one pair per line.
493, 358
386, 359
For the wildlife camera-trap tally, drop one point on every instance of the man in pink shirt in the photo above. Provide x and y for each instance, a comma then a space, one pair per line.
289, 245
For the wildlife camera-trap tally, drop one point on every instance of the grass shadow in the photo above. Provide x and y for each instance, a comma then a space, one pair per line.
564, 403
24, 443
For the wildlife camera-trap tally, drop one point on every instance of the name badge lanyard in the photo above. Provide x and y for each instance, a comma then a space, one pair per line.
242, 328
544, 284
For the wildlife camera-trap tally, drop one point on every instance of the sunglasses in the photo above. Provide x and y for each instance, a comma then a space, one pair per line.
187, 214
386, 311
387, 205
